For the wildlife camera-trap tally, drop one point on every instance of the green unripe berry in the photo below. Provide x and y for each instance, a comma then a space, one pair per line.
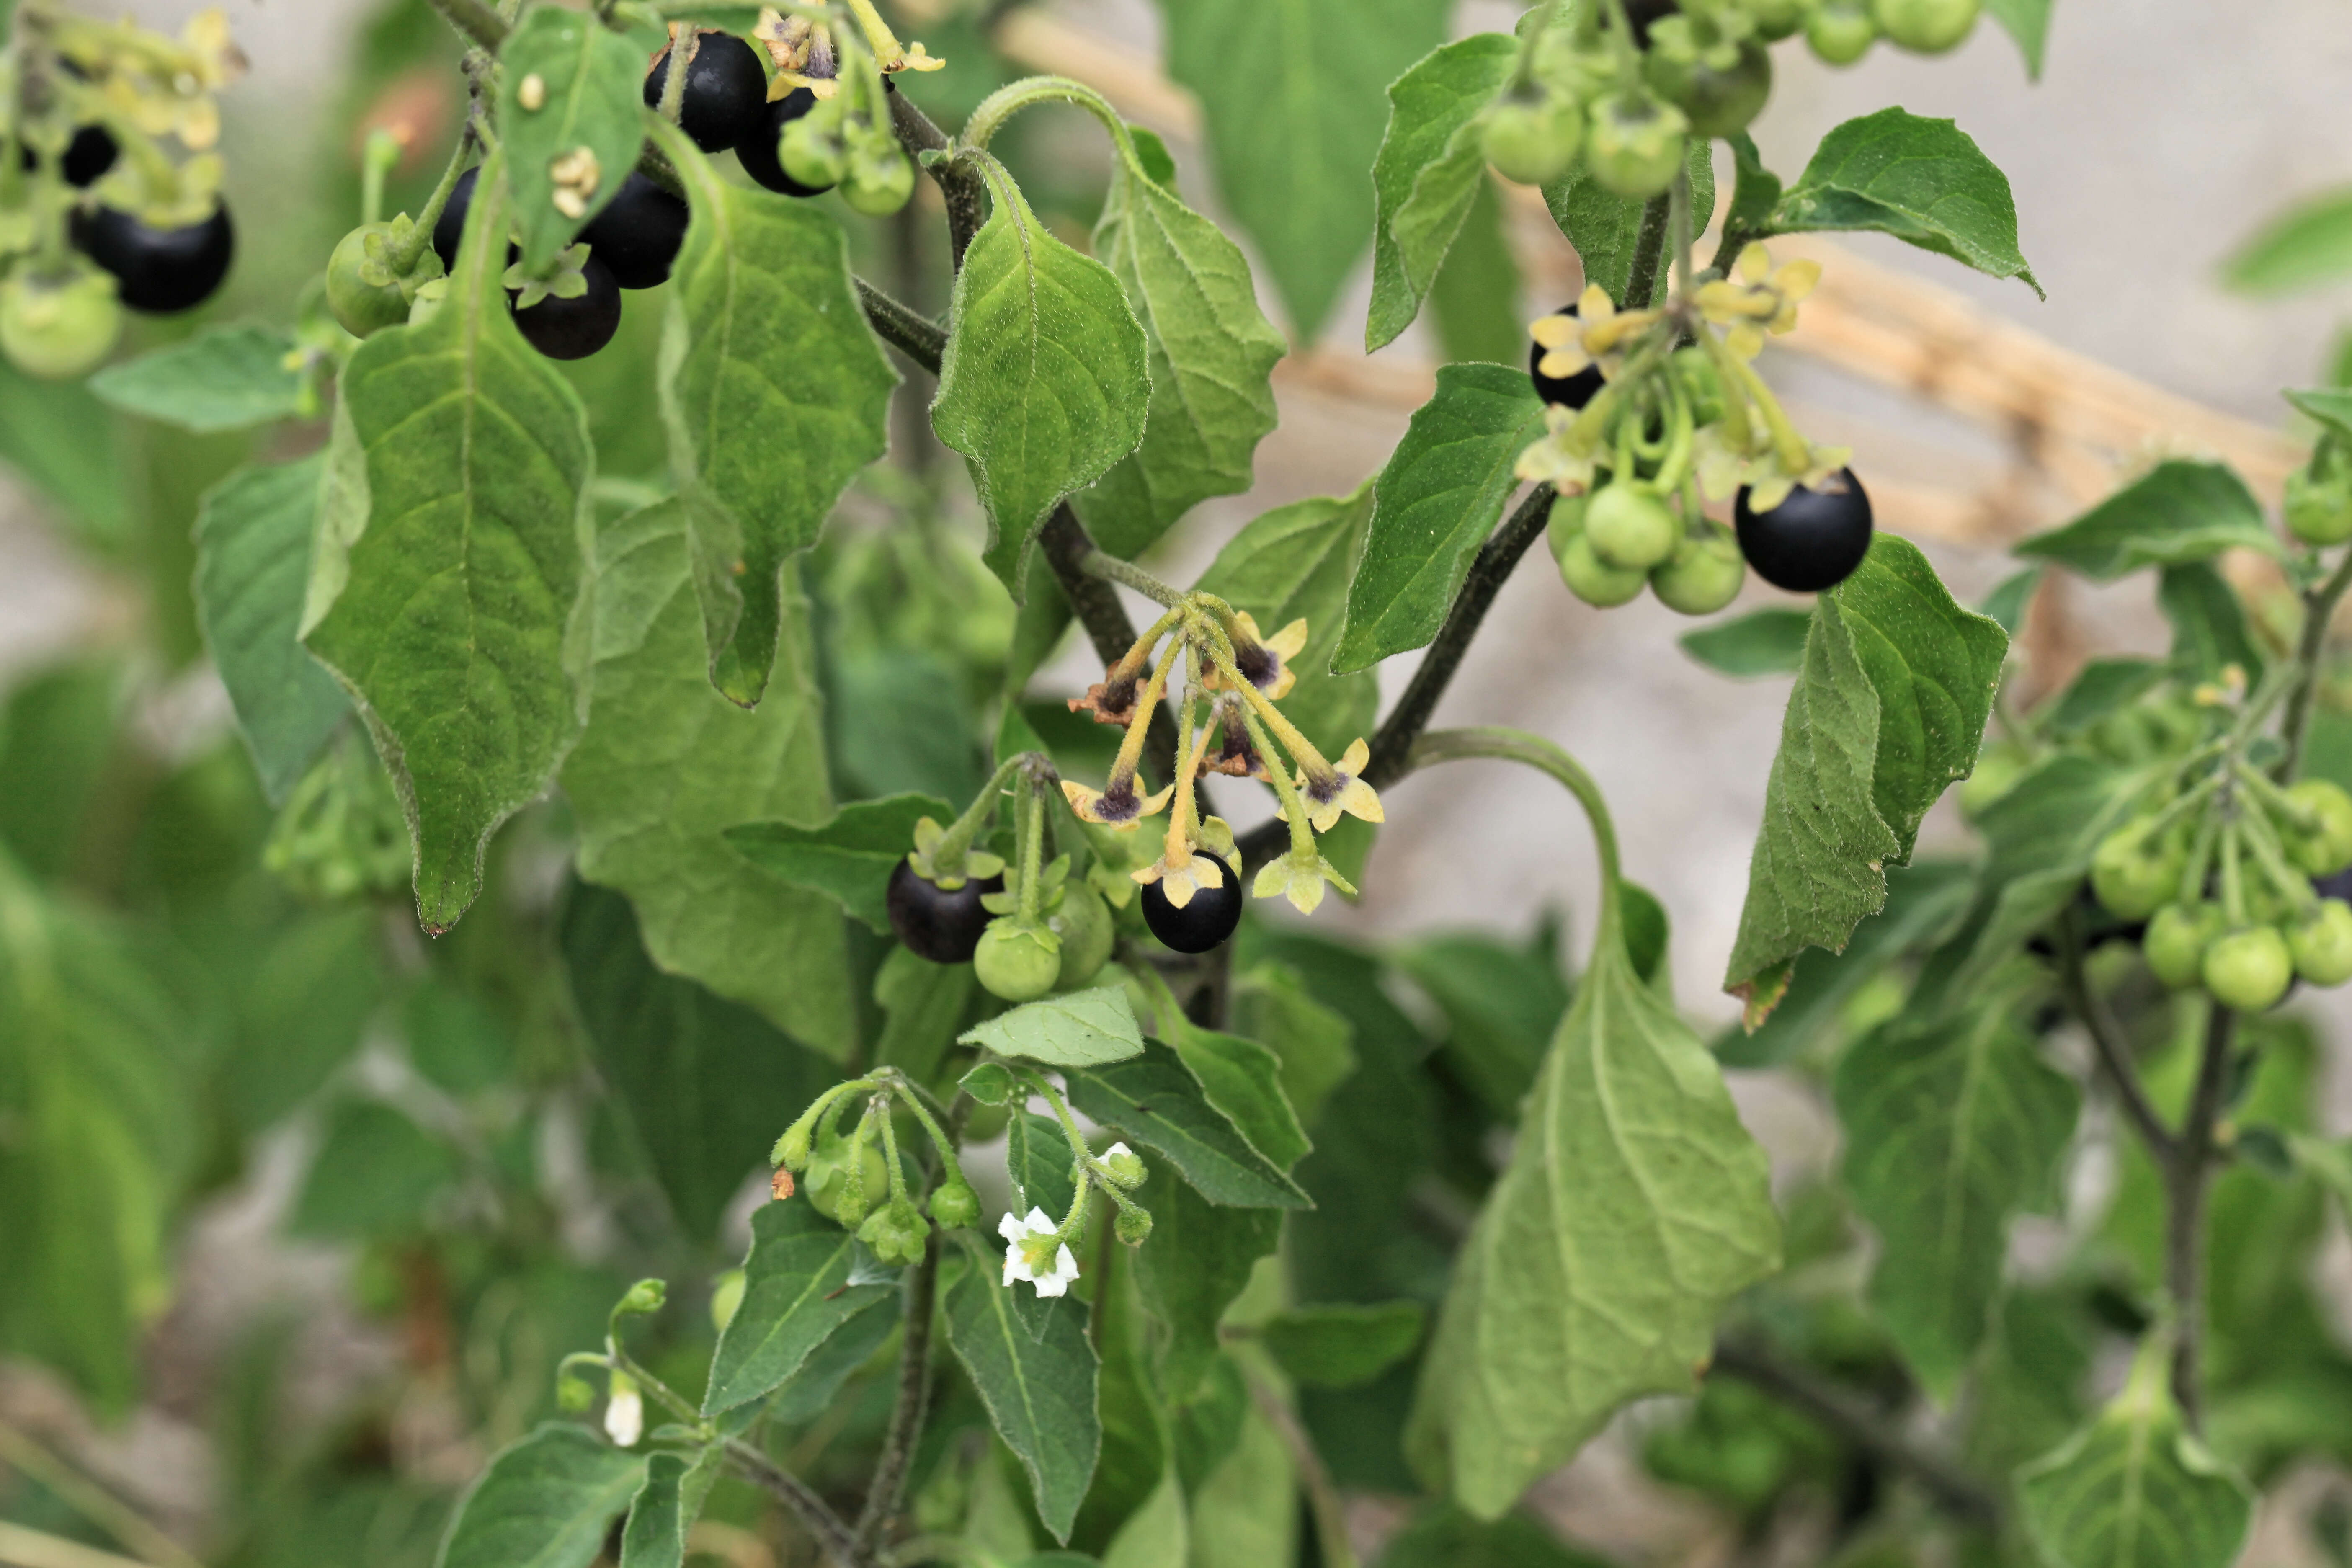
1132, 1226
1533, 141
1776, 19
2176, 942
1704, 573
2321, 943
895, 1232
2318, 508
2134, 874
1593, 580
1087, 934
879, 182
1717, 101
1841, 32
361, 306
1016, 961
955, 1206
2326, 849
1634, 146
1924, 27
1631, 528
2249, 969
58, 329
829, 1184
811, 151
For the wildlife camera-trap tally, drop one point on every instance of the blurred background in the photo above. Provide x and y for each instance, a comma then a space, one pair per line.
2160, 136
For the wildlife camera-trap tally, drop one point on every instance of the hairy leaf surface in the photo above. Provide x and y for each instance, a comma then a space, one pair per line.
797, 1290
2178, 511
546, 1501
1606, 228
1429, 170
1923, 180
589, 108
1154, 1101
1083, 1028
1040, 1392
224, 378
850, 856
663, 1513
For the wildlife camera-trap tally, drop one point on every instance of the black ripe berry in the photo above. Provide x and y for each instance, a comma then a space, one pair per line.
1811, 541
90, 153
1206, 921
577, 327
637, 235
450, 227
1572, 391
158, 270
934, 922
759, 151
726, 98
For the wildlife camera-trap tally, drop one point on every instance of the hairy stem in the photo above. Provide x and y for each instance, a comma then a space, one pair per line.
903, 327
832, 1533
1649, 252
913, 1405
1868, 1429
1111, 569
2188, 1179
960, 185
2318, 610
2108, 1040
476, 21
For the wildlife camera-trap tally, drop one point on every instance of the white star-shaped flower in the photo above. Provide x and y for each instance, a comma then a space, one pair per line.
1033, 1244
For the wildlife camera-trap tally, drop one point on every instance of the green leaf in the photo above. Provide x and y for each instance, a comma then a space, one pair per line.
1198, 1260
1246, 1509
2309, 243
666, 766
704, 1083
1634, 1207
1243, 1080
2007, 601
1210, 352
376, 1173
1156, 1535
591, 81
665, 1508
546, 1501
253, 564
1502, 1004
775, 393
1923, 180
451, 565
2028, 22
1045, 381
1755, 189
224, 378
2331, 407
1040, 1392
1430, 168
1761, 642
1314, 1042
1923, 900
797, 1291
2208, 623
1080, 1028
2135, 1487
1474, 303
810, 1392
2177, 512
922, 1005
850, 856
1434, 505
1343, 1346
1443, 1536
68, 445
1294, 93
1606, 228
1898, 684
2104, 688
1953, 1128
1154, 1101
1294, 563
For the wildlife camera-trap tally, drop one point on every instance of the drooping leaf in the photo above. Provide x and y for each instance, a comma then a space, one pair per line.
1434, 505
666, 766
1761, 642
1294, 99
376, 1173
1295, 563
1953, 1128
1081, 1028
224, 378
797, 1291
452, 561
1342, 1346
1040, 1392
775, 393
704, 1083
1046, 379
2135, 1487
2177, 512
1430, 167
585, 108
546, 1501
850, 856
1898, 684
1210, 352
1197, 1261
1606, 228
2028, 22
253, 564
1154, 1101
1634, 1207
662, 1514
2310, 243
1923, 180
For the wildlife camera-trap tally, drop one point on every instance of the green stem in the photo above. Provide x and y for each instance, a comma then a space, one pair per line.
683, 40
1010, 99
1032, 851
1294, 810
406, 260
383, 151
474, 20
1679, 219
2108, 1041
2318, 611
1111, 569
1649, 248
948, 855
2188, 1181
1518, 746
898, 1174
913, 1405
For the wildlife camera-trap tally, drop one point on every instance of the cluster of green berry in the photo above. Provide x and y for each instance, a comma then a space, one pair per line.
96, 216
2220, 863
1621, 86
814, 118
